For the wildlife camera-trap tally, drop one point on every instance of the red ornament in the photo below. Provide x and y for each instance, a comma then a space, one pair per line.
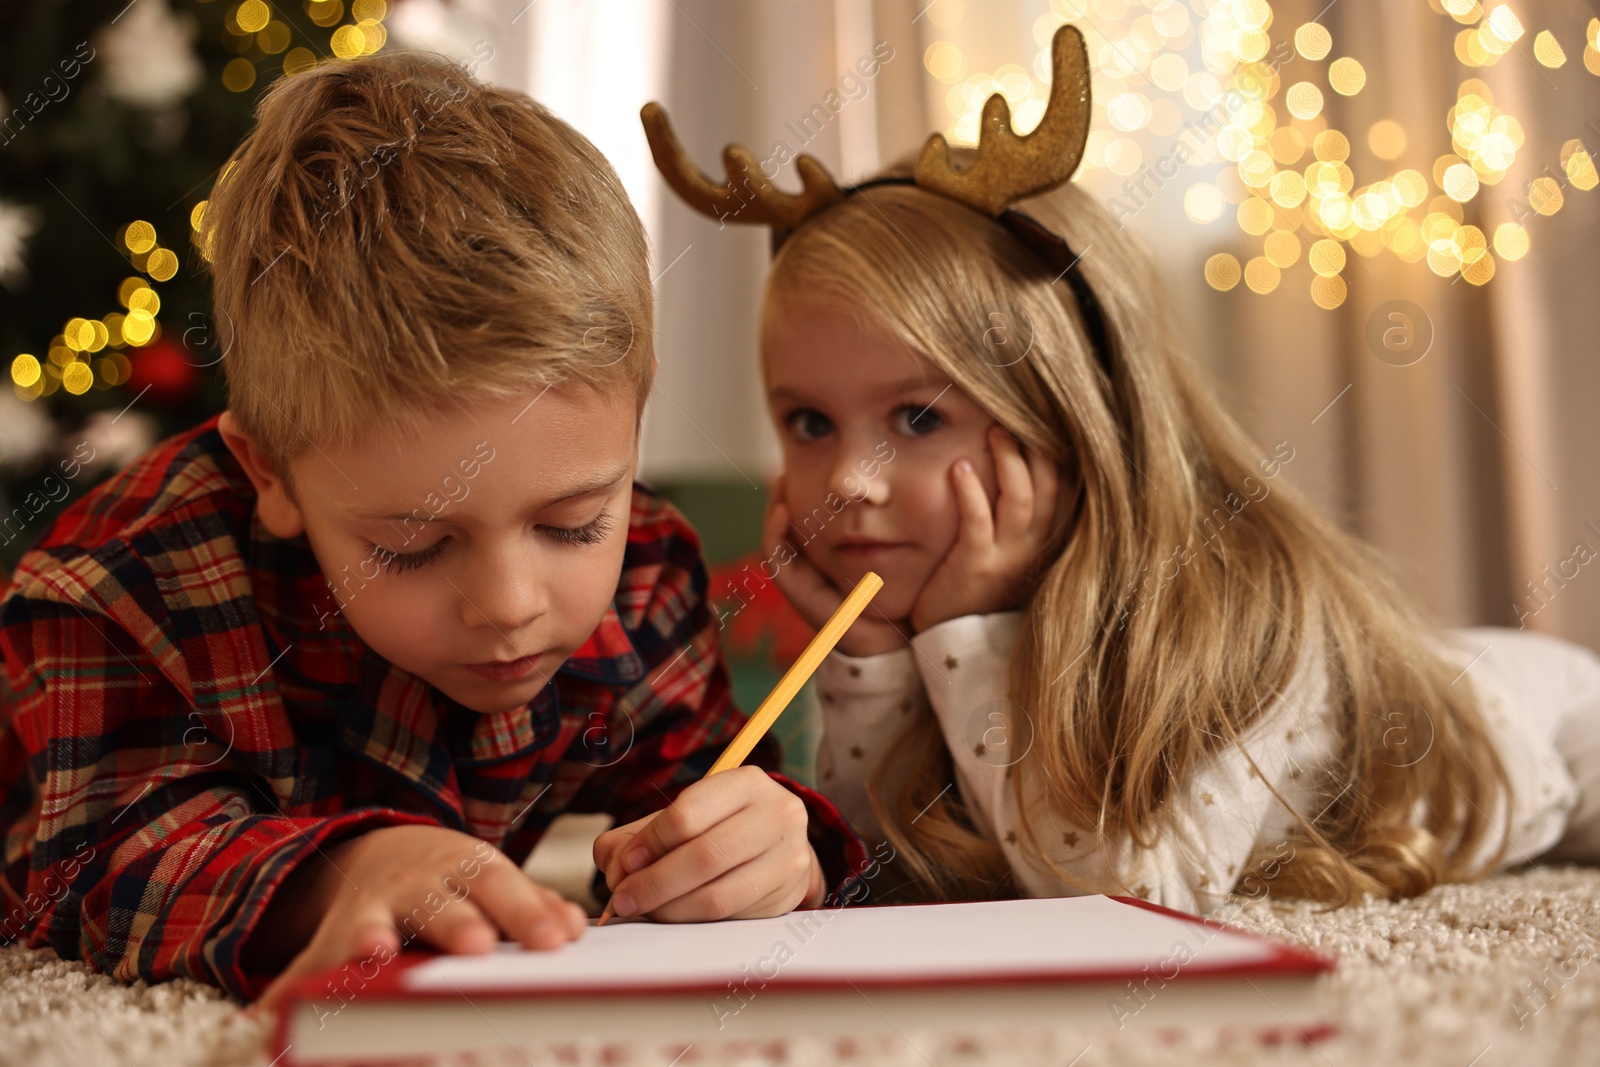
757, 619
164, 367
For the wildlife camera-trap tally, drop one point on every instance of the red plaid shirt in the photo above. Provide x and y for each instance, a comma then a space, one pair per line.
188, 720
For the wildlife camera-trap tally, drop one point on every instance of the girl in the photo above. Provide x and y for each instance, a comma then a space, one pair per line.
1114, 652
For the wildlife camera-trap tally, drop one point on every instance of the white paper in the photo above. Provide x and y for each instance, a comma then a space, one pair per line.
1016, 938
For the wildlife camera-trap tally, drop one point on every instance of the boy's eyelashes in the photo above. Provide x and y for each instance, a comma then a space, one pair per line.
909, 420
590, 533
400, 562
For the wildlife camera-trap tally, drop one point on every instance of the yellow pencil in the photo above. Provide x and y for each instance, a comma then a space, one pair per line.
795, 677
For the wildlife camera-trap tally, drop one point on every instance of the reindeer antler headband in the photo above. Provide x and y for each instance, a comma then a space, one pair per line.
1008, 168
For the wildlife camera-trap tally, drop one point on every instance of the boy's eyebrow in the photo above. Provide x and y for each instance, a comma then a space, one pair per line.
905, 385
604, 480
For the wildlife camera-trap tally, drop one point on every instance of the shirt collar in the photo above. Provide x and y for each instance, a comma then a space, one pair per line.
608, 655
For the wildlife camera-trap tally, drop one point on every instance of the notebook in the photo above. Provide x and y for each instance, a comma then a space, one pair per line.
1101, 963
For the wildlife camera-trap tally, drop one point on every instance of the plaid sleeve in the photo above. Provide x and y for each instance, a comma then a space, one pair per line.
681, 716
127, 841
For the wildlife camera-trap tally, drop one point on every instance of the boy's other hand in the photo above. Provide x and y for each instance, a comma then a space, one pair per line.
991, 564
732, 846
355, 899
813, 595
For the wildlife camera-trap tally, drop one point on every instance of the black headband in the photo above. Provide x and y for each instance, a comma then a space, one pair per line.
1051, 249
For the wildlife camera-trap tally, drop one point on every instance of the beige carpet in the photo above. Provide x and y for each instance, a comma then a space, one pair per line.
1442, 980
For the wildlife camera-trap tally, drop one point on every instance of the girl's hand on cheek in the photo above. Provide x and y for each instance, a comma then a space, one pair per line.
988, 568
810, 591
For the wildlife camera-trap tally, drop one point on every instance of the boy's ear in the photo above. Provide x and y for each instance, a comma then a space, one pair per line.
274, 503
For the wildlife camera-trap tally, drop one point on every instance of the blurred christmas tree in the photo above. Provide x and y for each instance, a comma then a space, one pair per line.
115, 118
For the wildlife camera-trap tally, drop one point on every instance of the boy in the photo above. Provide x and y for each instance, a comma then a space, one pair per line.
307, 683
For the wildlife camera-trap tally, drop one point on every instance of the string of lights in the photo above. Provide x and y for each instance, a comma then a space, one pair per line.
96, 353
1157, 66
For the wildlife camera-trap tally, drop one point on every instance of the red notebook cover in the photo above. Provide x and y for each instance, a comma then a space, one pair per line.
1029, 942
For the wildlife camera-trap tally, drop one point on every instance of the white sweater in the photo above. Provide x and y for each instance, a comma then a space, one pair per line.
1526, 682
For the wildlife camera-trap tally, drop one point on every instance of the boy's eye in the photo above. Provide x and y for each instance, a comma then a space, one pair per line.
590, 533
400, 562
808, 424
915, 420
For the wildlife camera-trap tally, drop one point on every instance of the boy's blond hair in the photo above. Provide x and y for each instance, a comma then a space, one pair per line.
394, 239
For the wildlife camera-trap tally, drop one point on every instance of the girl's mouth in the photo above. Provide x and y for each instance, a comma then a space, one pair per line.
866, 546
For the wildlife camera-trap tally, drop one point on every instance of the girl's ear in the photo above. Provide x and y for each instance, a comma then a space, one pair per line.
274, 502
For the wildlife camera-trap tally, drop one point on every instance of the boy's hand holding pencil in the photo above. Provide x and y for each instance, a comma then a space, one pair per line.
732, 845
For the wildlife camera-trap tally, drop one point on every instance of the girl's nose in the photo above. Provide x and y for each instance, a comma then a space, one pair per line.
859, 478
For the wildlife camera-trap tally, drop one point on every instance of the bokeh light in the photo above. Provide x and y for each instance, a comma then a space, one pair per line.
1222, 272
25, 370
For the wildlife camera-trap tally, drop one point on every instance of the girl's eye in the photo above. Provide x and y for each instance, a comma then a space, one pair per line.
915, 420
590, 533
808, 424
400, 562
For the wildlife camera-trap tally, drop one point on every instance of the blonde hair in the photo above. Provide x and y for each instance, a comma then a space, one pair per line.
1132, 685
394, 239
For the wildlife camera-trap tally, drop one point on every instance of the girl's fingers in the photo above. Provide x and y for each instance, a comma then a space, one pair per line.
1046, 484
976, 524
812, 595
810, 592
1014, 510
774, 520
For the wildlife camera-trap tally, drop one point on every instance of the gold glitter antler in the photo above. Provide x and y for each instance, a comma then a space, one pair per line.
747, 196
1008, 167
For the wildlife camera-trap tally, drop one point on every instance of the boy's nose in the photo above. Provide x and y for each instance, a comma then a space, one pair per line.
505, 598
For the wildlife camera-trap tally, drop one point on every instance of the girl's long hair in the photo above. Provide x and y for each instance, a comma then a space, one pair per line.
1133, 668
